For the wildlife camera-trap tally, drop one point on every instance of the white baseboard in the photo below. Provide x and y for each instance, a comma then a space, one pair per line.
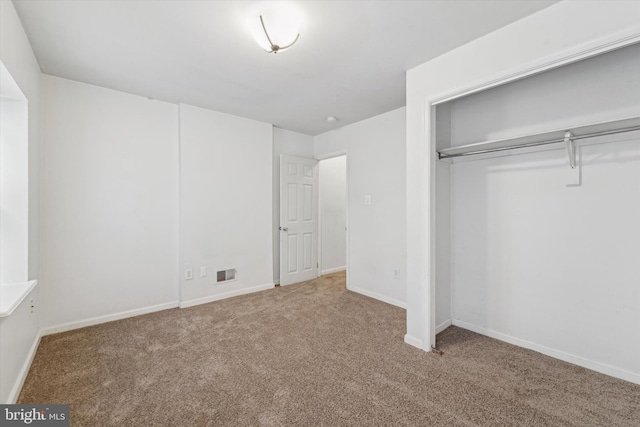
107, 318
442, 326
17, 387
333, 270
413, 341
567, 357
378, 296
418, 343
225, 295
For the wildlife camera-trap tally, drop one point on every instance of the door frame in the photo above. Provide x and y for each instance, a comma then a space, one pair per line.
320, 158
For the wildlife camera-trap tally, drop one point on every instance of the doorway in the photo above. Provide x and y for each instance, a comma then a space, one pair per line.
313, 218
333, 231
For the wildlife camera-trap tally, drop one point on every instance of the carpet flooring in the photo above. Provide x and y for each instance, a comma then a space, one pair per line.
310, 354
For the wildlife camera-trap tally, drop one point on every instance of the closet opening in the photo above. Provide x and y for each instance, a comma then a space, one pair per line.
537, 195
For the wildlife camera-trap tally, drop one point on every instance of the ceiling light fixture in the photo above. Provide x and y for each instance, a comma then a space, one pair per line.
274, 47
277, 27
332, 119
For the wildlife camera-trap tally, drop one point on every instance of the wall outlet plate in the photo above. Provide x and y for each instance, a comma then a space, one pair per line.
188, 273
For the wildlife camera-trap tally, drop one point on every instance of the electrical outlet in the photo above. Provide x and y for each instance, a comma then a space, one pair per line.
367, 199
203, 271
396, 273
188, 274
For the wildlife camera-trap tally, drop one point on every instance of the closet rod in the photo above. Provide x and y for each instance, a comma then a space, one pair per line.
538, 143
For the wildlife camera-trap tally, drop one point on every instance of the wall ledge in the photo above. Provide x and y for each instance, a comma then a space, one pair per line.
12, 294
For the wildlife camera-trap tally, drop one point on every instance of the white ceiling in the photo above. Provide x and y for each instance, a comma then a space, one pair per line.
349, 62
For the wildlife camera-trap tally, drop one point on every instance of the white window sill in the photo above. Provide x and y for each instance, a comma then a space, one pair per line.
12, 294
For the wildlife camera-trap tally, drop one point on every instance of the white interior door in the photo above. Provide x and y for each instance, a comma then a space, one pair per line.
298, 219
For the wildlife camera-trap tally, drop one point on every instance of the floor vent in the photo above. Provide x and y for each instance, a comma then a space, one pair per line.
226, 275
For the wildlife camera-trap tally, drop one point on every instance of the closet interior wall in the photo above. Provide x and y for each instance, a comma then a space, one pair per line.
520, 254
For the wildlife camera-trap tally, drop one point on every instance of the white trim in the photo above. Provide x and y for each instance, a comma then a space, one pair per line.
558, 354
444, 325
378, 296
347, 179
333, 270
106, 318
22, 376
430, 333
413, 341
225, 295
180, 259
319, 204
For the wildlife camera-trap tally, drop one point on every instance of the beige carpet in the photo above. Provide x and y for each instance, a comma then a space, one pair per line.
310, 354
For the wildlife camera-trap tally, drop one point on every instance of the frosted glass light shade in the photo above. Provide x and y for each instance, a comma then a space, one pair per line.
282, 23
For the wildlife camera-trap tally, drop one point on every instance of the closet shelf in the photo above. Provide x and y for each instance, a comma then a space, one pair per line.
551, 137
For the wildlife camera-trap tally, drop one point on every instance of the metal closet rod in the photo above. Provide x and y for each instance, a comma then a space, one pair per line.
535, 144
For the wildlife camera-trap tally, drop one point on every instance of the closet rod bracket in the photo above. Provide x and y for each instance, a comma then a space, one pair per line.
571, 148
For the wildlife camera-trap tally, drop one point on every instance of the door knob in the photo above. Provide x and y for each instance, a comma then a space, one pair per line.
283, 228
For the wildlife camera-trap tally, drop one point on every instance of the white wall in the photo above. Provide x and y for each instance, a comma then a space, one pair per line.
601, 88
17, 56
553, 265
14, 189
109, 204
333, 214
293, 144
225, 203
19, 338
442, 213
19, 332
443, 247
544, 39
377, 234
